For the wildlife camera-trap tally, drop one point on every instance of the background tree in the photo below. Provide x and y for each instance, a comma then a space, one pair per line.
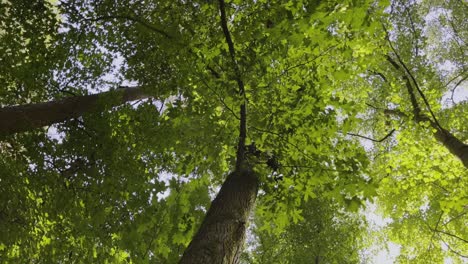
324, 234
423, 167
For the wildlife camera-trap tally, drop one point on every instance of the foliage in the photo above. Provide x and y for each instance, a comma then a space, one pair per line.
131, 184
325, 234
422, 187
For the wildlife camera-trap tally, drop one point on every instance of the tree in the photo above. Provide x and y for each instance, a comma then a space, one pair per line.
422, 180
261, 99
21, 118
228, 75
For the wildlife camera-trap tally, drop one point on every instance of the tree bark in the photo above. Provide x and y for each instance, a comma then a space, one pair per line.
442, 135
447, 139
20, 118
221, 236
452, 143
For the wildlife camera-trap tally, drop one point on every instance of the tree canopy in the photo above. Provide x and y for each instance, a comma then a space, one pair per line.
232, 131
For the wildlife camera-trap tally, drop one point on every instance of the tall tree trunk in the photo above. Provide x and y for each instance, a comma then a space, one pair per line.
452, 143
447, 139
443, 136
221, 236
14, 119
222, 233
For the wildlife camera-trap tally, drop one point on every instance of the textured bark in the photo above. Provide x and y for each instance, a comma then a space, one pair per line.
221, 236
14, 119
452, 143
447, 139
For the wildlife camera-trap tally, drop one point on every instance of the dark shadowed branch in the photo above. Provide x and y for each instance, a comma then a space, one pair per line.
240, 84
371, 139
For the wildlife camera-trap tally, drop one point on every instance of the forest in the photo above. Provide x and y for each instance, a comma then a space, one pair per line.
233, 131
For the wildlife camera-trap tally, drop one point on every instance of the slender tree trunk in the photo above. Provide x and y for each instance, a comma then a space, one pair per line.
14, 119
221, 236
443, 136
452, 143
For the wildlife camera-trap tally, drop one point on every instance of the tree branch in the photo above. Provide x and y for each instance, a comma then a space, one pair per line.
435, 228
456, 86
243, 113
394, 112
408, 83
133, 19
451, 235
454, 251
20, 118
371, 139
220, 99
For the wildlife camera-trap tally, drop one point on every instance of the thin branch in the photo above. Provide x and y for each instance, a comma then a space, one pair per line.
451, 142
240, 155
440, 237
371, 139
413, 28
220, 99
454, 218
456, 77
395, 65
285, 71
456, 86
213, 72
456, 36
440, 187
451, 235
420, 93
381, 75
232, 51
134, 19
394, 112
416, 109
310, 60
435, 228
453, 251
281, 137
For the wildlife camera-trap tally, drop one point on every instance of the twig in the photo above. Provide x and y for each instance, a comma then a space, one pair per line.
435, 228
395, 65
220, 99
451, 235
456, 77
381, 75
454, 218
285, 71
456, 86
371, 139
134, 19
413, 28
395, 112
281, 137
452, 250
